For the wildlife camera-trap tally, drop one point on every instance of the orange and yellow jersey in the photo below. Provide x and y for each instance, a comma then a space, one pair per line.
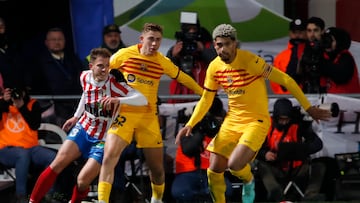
243, 80
143, 72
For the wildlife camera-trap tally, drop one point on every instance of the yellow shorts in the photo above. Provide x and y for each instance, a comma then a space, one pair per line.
144, 128
251, 134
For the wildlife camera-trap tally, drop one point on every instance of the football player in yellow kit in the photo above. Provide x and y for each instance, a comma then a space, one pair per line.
142, 66
242, 75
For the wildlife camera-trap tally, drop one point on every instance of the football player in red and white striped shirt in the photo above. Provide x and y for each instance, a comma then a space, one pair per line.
103, 92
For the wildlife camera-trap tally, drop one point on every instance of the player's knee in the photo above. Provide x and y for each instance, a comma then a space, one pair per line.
235, 165
158, 175
82, 184
158, 172
111, 157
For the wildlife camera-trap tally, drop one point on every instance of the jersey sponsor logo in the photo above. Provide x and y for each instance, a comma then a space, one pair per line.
97, 110
146, 82
131, 78
236, 92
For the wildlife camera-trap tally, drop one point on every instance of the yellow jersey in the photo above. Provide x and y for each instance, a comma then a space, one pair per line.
143, 72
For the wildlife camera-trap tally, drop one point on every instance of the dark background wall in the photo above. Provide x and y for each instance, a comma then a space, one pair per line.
347, 16
28, 21
296, 9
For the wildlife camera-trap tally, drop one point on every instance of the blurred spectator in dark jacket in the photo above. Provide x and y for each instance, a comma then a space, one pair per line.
11, 61
339, 69
56, 71
111, 40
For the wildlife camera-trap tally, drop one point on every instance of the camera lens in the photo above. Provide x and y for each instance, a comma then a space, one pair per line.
15, 93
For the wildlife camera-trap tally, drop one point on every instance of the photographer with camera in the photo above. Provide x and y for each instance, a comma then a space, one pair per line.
338, 69
287, 126
312, 57
326, 65
192, 52
192, 158
19, 147
308, 69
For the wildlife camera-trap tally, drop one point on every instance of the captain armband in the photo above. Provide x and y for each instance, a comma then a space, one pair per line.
267, 69
177, 75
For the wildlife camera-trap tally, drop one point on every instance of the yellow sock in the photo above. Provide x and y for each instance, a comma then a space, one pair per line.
217, 186
157, 191
244, 174
104, 189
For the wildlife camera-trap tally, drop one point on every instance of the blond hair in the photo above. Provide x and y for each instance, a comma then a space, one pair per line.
152, 27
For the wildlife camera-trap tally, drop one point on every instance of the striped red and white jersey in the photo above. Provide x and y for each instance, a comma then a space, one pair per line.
96, 120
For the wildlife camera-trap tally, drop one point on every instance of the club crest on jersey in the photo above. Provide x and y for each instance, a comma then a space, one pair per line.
143, 67
229, 79
131, 78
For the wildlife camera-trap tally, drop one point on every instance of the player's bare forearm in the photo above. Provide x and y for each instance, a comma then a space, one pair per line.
319, 114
